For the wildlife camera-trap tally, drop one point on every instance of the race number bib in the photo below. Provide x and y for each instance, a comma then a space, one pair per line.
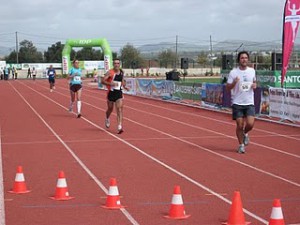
246, 86
118, 85
77, 78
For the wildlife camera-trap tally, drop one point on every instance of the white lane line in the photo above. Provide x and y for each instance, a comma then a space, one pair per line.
87, 170
2, 207
157, 160
191, 143
210, 118
214, 132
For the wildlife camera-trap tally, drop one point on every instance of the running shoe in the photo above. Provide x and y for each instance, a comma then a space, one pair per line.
120, 129
54, 87
107, 123
78, 115
51, 90
246, 139
70, 109
241, 149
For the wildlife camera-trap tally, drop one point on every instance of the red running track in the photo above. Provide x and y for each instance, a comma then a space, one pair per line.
163, 145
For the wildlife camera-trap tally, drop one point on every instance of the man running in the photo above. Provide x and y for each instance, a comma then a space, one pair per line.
242, 82
114, 80
51, 77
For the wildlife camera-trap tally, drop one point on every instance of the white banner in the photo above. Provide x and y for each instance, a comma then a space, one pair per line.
285, 103
91, 65
130, 83
40, 66
2, 64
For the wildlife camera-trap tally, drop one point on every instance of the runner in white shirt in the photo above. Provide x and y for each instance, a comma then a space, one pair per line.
242, 82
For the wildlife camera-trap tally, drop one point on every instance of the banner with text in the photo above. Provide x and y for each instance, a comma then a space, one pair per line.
285, 103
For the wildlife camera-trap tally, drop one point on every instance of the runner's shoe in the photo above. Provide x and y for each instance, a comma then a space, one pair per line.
120, 129
70, 109
78, 115
241, 149
246, 139
107, 123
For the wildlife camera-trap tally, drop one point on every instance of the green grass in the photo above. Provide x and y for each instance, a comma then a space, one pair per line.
216, 80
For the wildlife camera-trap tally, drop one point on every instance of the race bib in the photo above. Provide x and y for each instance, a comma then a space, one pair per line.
246, 86
118, 85
77, 78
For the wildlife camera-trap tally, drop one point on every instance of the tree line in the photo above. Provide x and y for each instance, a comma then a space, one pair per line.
129, 55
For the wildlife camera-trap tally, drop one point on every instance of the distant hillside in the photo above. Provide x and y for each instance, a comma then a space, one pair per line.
223, 46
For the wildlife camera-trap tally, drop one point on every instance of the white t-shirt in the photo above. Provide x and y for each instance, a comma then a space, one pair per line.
242, 93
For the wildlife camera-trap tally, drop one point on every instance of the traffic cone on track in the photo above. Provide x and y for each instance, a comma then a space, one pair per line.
177, 208
19, 184
276, 214
236, 214
113, 198
61, 191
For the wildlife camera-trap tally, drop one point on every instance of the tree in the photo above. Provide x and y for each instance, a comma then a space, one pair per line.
131, 57
28, 53
88, 53
54, 53
202, 59
166, 58
11, 58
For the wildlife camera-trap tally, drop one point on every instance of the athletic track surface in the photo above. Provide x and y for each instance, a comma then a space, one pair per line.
163, 145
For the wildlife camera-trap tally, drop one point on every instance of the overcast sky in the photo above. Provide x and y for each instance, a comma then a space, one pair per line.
140, 21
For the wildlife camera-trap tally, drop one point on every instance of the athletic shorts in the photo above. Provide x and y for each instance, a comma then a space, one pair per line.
114, 95
241, 111
51, 80
75, 87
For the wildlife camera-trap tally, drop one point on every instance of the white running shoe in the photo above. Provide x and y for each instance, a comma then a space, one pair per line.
51, 90
120, 130
70, 109
241, 149
107, 123
246, 139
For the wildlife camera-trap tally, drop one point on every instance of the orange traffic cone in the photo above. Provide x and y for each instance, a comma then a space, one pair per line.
19, 185
61, 191
236, 215
177, 209
276, 214
113, 198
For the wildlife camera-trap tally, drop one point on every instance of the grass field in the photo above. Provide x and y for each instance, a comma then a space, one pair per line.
201, 80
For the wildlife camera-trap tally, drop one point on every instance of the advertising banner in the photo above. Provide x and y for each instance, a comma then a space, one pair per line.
91, 65
290, 28
285, 103
130, 83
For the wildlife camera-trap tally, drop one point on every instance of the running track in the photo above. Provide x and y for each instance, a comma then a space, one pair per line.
163, 145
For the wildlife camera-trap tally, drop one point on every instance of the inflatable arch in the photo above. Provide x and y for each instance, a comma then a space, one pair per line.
70, 43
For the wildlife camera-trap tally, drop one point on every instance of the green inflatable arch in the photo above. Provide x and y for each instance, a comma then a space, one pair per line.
70, 43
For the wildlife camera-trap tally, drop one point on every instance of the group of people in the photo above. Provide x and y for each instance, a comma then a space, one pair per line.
241, 82
5, 72
115, 83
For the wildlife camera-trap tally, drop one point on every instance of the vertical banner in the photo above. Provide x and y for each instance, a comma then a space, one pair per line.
290, 28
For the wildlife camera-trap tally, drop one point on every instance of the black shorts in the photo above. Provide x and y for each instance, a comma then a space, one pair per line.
114, 95
241, 111
75, 87
51, 80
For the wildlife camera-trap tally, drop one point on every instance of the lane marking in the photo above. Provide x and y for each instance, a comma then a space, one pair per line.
215, 132
157, 160
2, 207
87, 170
179, 139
